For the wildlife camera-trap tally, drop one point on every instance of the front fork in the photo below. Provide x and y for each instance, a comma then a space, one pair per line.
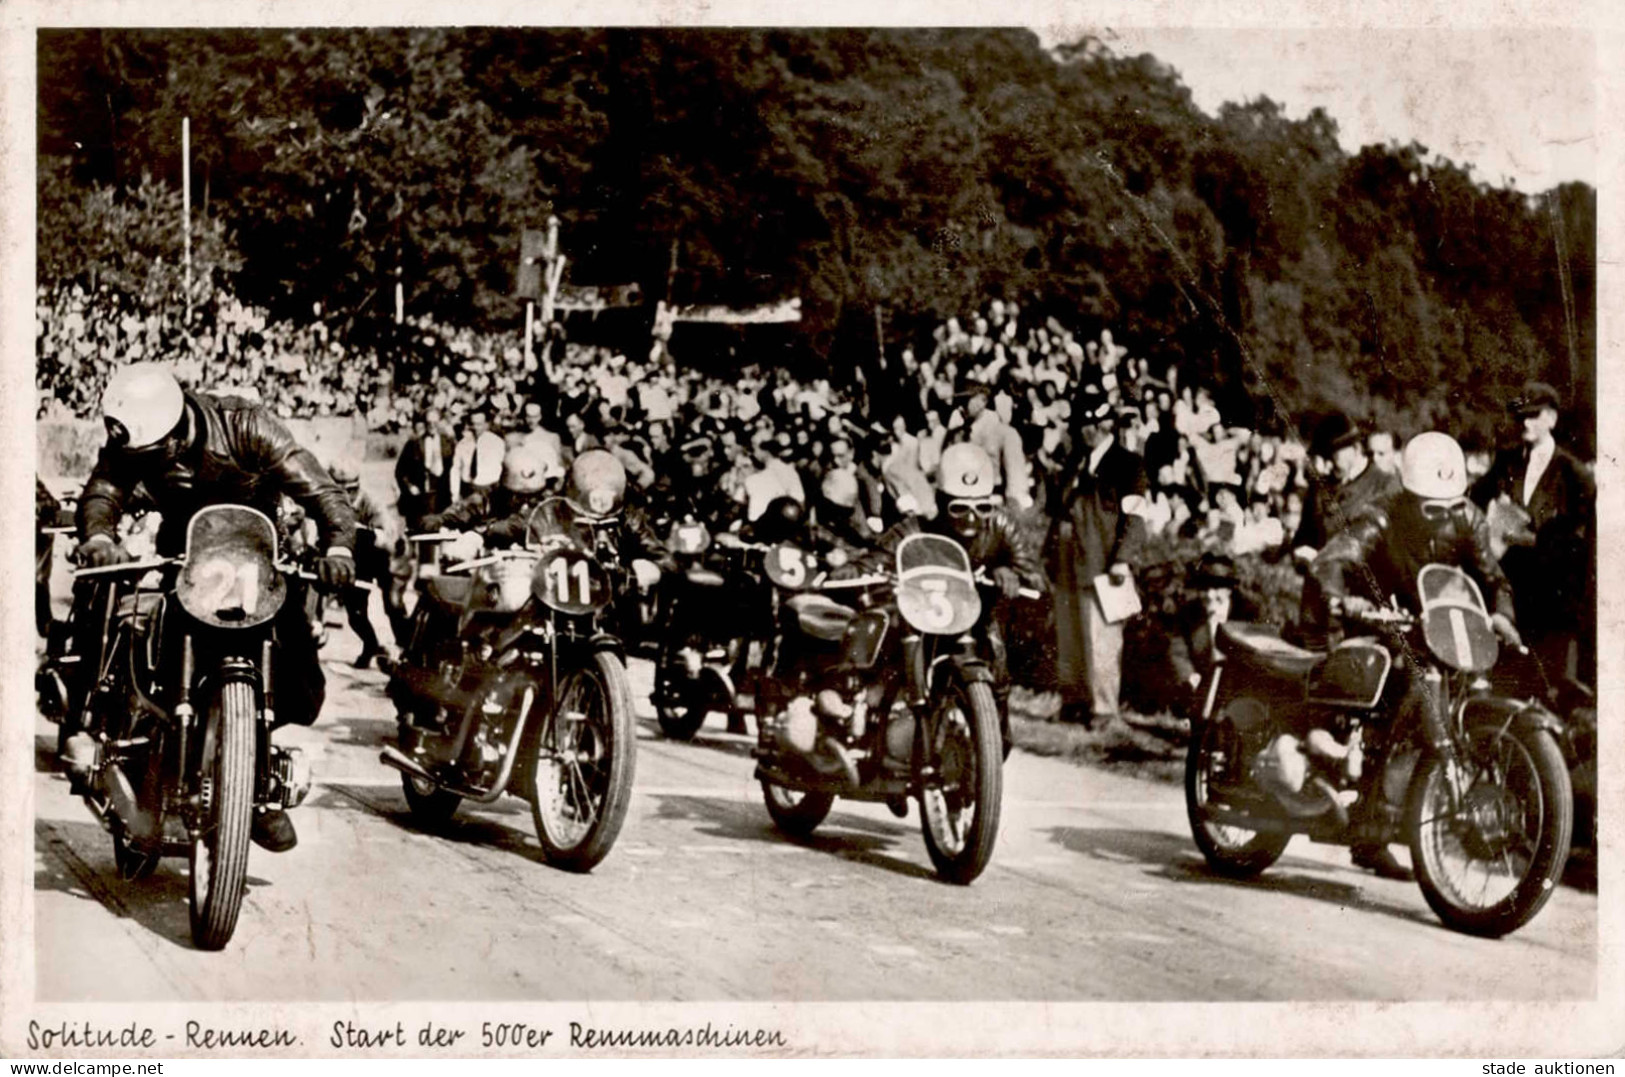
1436, 725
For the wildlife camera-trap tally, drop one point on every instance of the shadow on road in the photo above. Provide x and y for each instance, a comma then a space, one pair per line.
850, 837
45, 757
158, 903
710, 737
463, 828
1175, 858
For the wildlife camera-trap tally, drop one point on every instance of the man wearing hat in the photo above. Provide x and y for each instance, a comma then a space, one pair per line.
1553, 580
1097, 529
1213, 583
1353, 483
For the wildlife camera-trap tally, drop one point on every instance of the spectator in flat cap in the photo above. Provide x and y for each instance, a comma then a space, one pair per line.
1553, 581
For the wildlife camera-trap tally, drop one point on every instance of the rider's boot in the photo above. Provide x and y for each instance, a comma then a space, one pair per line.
1378, 860
273, 831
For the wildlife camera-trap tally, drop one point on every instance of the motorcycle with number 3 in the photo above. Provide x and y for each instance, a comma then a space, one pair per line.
885, 701
181, 709
511, 683
1291, 741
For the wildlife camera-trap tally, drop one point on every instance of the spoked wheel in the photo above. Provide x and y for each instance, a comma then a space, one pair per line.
219, 855
1488, 861
585, 754
959, 803
1232, 851
795, 811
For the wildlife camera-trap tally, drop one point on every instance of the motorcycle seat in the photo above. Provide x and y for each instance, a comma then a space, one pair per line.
704, 577
820, 617
1262, 646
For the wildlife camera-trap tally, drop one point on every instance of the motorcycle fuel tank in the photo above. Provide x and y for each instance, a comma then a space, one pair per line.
1353, 674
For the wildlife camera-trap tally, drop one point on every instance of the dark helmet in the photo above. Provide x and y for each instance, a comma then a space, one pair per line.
782, 521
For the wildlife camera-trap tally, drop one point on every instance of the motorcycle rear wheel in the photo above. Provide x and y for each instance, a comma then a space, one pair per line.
796, 812
219, 857
585, 754
681, 713
959, 807
1232, 851
1518, 814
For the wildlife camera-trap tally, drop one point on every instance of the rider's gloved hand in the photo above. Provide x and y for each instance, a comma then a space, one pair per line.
1350, 605
99, 551
647, 573
337, 568
1009, 583
1506, 629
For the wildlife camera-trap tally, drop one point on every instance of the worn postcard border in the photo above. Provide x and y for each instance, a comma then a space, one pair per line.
821, 1029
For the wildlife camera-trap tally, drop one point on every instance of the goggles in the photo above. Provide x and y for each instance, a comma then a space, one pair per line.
962, 509
1440, 511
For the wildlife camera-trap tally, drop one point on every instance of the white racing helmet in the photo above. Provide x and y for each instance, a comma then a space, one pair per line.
597, 483
523, 470
142, 403
840, 488
966, 470
1434, 467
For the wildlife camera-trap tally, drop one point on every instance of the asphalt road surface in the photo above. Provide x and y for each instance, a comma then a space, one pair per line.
1095, 892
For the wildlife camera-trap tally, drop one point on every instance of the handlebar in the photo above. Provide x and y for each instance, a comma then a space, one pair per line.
492, 558
125, 567
435, 536
1025, 592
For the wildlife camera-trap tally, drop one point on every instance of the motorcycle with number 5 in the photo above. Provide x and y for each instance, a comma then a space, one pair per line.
181, 709
1335, 746
511, 682
885, 701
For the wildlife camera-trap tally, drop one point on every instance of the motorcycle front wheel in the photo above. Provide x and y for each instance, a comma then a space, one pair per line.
795, 811
219, 857
584, 755
1489, 861
1232, 851
960, 801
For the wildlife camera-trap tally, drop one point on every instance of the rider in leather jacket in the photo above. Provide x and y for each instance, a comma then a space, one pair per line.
1383, 548
969, 513
186, 451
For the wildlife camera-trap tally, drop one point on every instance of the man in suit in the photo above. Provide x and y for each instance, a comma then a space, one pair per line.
1554, 579
1097, 529
1355, 481
420, 470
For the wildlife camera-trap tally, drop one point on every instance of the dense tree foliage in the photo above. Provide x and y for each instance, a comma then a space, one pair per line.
924, 171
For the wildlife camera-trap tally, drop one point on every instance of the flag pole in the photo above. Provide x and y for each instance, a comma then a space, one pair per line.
186, 204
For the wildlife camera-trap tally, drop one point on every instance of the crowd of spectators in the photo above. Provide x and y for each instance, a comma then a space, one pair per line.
1002, 380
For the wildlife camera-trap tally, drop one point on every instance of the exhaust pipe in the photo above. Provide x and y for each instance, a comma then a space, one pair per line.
392, 756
